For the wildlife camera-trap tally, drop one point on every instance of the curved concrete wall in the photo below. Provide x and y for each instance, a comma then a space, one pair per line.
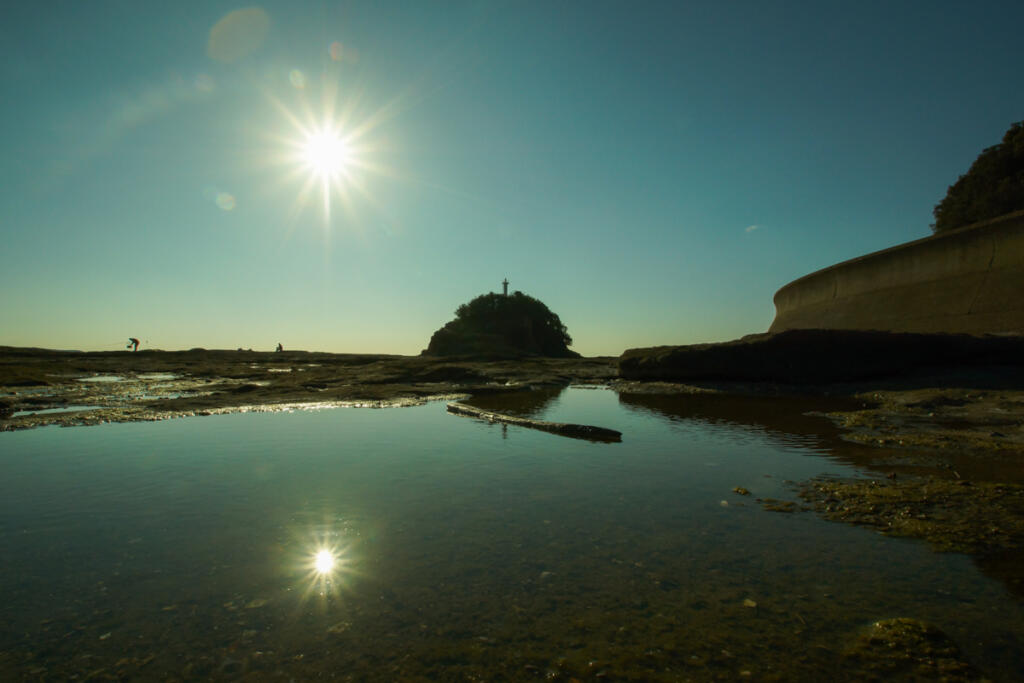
969, 281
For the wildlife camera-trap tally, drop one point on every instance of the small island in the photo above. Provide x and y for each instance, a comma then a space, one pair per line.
494, 326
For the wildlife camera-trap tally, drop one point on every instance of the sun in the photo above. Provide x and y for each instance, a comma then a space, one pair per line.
325, 153
331, 152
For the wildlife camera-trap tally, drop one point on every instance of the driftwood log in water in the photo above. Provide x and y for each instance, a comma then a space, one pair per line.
575, 431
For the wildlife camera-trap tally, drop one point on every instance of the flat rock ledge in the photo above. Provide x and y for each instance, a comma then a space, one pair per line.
575, 431
818, 356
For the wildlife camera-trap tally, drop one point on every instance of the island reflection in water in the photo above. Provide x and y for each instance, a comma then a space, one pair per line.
188, 549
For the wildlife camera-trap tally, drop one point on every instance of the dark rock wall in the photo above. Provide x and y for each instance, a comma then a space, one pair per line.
818, 356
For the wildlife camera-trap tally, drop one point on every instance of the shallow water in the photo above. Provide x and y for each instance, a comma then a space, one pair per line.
156, 376
467, 550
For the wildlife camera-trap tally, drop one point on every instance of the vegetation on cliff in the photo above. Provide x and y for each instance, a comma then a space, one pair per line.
993, 186
498, 325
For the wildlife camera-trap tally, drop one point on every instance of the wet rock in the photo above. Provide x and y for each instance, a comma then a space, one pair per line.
951, 514
214, 382
339, 628
775, 505
908, 649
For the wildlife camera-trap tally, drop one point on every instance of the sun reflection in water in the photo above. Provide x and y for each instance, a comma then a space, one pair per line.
323, 563
326, 568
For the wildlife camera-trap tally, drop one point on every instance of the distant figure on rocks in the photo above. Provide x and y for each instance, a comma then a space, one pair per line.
133, 342
279, 348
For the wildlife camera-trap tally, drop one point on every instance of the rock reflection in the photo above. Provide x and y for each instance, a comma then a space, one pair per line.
786, 419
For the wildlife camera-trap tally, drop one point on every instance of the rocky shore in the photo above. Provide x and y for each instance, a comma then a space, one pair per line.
940, 444
40, 387
943, 415
945, 441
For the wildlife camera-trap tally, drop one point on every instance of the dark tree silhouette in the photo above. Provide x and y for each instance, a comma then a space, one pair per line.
495, 324
993, 186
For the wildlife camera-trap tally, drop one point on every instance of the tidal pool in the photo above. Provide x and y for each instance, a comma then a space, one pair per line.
459, 550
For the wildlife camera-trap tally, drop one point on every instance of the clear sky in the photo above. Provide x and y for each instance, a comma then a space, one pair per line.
653, 171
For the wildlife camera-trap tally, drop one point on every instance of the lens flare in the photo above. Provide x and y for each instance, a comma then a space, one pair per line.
238, 34
225, 201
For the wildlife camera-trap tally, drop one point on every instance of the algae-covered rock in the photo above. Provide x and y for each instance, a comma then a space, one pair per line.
952, 515
908, 649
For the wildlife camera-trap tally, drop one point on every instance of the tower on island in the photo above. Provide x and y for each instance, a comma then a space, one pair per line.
504, 284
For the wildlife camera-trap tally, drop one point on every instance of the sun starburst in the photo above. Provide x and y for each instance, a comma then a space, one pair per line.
326, 153
323, 562
329, 149
324, 565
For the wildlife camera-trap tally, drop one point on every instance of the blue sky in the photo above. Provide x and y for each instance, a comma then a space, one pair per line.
654, 172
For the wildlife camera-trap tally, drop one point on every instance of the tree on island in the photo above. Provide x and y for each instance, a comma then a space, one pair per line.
499, 325
993, 186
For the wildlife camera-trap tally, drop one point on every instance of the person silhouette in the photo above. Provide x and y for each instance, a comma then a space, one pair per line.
132, 341
279, 348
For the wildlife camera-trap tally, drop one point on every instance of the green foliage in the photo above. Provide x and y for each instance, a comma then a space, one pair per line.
495, 324
993, 186
516, 312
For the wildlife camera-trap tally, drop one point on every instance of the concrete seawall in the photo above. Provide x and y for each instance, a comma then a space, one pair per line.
968, 281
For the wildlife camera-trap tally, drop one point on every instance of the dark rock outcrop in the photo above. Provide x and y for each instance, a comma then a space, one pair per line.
496, 326
818, 356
